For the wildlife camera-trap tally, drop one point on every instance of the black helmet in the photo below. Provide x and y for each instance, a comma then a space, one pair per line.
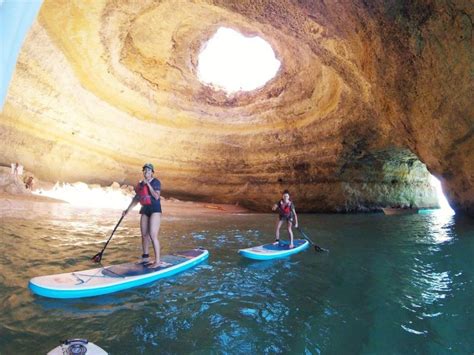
149, 166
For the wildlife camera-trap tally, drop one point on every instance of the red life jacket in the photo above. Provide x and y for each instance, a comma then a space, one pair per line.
143, 193
285, 208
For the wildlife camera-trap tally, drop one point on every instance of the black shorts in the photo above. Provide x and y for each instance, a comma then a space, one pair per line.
289, 219
149, 210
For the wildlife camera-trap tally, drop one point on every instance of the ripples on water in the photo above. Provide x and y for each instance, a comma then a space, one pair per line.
391, 284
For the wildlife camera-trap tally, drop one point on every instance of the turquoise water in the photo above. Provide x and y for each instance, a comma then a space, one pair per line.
390, 284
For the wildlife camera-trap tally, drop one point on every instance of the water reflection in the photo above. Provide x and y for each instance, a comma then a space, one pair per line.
430, 279
389, 285
441, 226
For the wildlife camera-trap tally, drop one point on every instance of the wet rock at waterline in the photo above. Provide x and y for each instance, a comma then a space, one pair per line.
367, 95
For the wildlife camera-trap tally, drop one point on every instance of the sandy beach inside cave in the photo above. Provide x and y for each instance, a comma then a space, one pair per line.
30, 205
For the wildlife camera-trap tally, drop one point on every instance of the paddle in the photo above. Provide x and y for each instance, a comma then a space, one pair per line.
98, 257
316, 247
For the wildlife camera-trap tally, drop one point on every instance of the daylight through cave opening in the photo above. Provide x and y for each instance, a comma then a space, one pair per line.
232, 62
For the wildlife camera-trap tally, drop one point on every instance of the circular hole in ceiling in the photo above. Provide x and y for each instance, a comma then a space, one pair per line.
233, 62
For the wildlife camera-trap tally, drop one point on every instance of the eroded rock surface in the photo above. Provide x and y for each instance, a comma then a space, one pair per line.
366, 94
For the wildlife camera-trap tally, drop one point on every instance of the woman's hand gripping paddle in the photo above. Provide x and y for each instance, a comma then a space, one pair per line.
98, 257
316, 247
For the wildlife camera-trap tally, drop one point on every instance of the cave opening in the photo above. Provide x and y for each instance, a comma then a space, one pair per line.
232, 62
442, 200
392, 177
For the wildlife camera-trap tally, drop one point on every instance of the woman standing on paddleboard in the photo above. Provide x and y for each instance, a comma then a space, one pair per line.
148, 195
286, 212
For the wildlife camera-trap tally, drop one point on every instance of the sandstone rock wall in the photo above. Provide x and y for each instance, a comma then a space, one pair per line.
13, 184
367, 93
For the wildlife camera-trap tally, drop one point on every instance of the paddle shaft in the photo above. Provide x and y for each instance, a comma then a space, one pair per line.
317, 247
105, 246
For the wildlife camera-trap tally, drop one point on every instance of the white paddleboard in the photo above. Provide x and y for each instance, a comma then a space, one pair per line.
271, 251
104, 280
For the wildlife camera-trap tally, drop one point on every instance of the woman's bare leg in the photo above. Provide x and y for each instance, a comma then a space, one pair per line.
144, 221
277, 231
154, 225
290, 232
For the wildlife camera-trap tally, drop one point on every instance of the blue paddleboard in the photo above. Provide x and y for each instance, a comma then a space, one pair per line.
270, 251
104, 280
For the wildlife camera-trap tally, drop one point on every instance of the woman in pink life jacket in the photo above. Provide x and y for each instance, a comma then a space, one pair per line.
286, 213
147, 193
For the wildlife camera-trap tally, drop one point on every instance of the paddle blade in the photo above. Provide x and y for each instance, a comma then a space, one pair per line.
97, 257
318, 248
